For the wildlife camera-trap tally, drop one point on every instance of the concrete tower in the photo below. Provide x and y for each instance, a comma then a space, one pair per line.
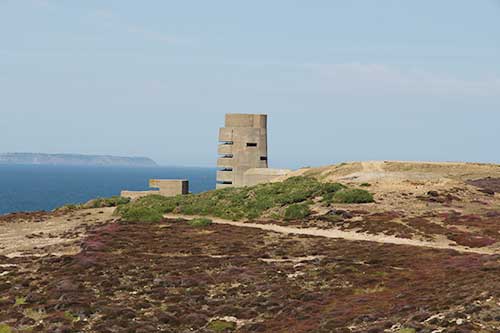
243, 146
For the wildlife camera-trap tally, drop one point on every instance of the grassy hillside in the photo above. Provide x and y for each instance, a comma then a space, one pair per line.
289, 199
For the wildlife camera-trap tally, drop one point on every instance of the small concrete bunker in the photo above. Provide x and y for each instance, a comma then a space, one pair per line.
165, 187
170, 187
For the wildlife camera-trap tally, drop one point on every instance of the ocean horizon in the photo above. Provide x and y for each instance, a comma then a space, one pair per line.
25, 188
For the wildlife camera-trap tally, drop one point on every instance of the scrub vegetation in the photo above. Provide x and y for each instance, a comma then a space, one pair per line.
200, 222
4, 328
297, 211
108, 202
114, 201
222, 326
352, 196
171, 277
292, 197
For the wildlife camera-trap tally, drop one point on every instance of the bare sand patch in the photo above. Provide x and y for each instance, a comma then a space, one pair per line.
54, 235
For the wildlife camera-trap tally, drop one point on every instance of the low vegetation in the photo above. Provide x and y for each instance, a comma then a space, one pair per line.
20, 301
71, 317
140, 213
291, 197
4, 328
114, 201
107, 202
154, 277
297, 212
350, 196
200, 222
221, 326
407, 330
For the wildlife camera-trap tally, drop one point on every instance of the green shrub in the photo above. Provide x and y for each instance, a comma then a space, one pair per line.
237, 203
407, 330
141, 214
332, 187
352, 196
297, 212
221, 326
200, 222
20, 300
69, 207
114, 201
365, 184
329, 190
4, 328
71, 317
107, 202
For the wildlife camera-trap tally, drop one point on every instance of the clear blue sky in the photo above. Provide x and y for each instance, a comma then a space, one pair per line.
341, 80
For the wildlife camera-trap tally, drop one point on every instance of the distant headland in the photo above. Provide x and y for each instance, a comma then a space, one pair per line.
75, 160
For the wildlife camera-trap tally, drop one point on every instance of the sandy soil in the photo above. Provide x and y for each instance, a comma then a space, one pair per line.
54, 235
446, 203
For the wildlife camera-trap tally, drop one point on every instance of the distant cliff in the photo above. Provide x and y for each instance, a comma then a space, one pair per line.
75, 160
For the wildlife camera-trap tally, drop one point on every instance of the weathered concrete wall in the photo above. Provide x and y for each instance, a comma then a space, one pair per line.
243, 147
259, 175
170, 187
165, 187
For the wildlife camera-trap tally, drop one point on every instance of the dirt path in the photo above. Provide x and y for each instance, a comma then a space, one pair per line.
335, 233
28, 238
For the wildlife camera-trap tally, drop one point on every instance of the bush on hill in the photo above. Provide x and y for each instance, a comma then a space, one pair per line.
200, 222
239, 203
222, 326
142, 214
107, 202
350, 196
4, 328
297, 212
114, 201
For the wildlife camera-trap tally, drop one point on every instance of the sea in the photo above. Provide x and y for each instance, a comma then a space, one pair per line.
41, 187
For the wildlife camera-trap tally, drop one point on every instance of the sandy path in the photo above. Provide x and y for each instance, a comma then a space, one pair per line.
347, 235
28, 238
